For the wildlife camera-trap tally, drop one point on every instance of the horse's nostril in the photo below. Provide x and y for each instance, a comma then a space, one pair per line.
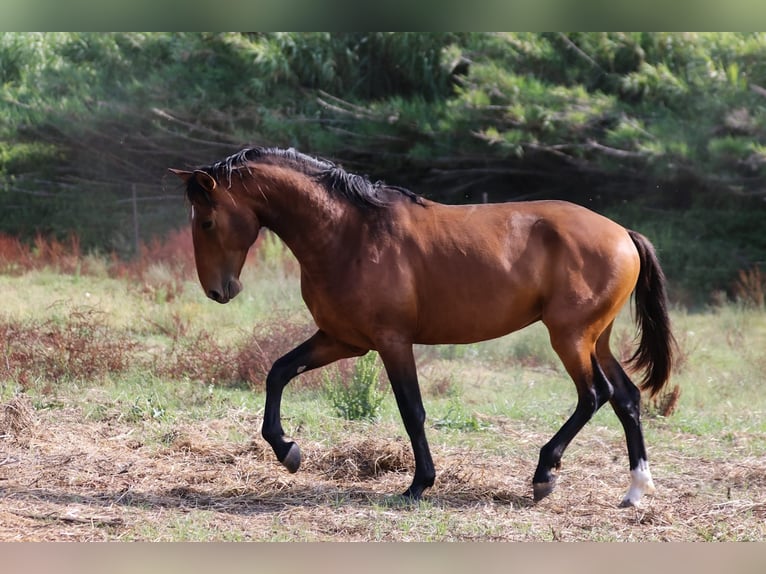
214, 295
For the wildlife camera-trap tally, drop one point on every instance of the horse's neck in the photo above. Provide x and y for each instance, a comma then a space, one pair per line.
305, 217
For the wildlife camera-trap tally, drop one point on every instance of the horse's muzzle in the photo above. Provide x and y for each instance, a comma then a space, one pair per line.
229, 291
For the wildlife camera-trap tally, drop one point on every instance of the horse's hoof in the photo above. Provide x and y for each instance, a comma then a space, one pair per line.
628, 503
292, 461
418, 487
412, 495
542, 489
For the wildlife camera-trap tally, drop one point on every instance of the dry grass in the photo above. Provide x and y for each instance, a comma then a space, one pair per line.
64, 478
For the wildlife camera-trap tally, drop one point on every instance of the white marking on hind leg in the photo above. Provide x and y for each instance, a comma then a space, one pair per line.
641, 483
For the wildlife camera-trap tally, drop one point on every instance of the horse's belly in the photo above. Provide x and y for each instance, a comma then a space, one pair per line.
473, 321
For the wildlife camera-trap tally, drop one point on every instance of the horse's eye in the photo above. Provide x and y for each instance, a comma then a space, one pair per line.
207, 224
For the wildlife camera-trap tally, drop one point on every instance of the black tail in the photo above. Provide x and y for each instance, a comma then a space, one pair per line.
657, 345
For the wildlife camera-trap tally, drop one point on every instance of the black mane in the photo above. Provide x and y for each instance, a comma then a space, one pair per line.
356, 188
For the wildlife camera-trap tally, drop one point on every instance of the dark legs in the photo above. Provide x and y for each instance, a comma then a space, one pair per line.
317, 351
400, 366
322, 350
626, 403
595, 387
593, 391
584, 363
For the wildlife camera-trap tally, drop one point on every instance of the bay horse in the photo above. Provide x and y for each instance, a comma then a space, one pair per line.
382, 268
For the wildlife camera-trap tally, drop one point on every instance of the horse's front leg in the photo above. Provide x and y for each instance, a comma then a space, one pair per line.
400, 367
317, 351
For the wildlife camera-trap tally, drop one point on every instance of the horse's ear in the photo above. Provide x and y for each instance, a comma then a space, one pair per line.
184, 175
203, 179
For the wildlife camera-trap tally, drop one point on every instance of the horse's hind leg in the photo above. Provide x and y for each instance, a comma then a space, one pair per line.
593, 390
626, 402
317, 351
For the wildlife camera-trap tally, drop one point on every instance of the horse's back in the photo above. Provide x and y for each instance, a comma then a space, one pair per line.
520, 236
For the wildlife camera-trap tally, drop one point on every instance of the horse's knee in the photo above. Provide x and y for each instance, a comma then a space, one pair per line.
414, 418
592, 399
280, 374
602, 388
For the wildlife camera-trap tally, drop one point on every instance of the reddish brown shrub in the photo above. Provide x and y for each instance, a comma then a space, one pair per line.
750, 287
64, 257
266, 344
175, 251
14, 256
84, 347
199, 358
18, 257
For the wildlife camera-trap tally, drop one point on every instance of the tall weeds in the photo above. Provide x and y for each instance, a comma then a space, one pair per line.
18, 257
84, 345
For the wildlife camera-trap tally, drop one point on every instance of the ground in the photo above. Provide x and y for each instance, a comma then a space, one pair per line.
64, 477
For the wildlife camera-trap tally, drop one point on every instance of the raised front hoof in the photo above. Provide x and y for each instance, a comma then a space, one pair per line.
542, 489
292, 460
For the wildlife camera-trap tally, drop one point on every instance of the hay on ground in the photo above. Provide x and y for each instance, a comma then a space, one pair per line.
17, 416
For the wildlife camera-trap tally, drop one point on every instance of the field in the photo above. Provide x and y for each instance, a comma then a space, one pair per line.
130, 409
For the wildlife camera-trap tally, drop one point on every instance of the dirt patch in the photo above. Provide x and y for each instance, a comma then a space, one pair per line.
66, 478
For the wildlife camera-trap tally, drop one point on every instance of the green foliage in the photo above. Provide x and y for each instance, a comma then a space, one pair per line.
725, 150
145, 407
458, 418
360, 397
653, 82
352, 65
86, 119
702, 249
24, 157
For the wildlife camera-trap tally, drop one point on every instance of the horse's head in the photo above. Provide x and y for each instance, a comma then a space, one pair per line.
223, 231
